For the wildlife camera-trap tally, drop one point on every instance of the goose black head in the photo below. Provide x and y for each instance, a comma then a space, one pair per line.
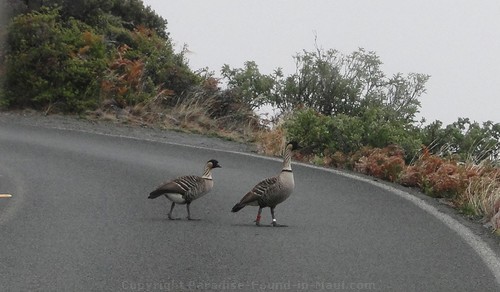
295, 145
215, 163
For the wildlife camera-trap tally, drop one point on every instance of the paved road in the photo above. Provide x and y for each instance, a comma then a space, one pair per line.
80, 220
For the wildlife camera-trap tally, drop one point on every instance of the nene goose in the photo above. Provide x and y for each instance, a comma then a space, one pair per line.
185, 189
271, 191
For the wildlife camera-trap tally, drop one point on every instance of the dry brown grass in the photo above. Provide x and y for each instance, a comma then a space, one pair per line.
271, 141
192, 114
482, 193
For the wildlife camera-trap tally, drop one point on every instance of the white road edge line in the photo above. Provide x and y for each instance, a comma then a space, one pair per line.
488, 256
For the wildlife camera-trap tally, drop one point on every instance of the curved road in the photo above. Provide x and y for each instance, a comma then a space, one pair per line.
80, 220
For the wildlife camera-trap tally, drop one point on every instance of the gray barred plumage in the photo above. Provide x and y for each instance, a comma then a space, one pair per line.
185, 189
271, 191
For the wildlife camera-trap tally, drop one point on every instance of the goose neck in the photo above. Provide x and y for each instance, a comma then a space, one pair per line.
287, 160
207, 174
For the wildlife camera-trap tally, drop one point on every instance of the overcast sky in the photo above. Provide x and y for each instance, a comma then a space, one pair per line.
457, 42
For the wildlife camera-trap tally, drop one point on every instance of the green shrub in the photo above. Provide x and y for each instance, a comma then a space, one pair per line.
53, 63
58, 61
347, 134
146, 67
311, 129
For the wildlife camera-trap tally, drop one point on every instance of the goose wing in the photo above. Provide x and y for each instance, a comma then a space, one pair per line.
259, 190
181, 185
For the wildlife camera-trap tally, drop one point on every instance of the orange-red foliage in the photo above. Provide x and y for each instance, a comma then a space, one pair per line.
386, 163
337, 159
446, 180
434, 175
123, 76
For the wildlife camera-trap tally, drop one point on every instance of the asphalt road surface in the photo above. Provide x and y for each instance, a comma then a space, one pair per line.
80, 220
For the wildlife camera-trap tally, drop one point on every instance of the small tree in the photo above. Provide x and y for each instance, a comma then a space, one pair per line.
253, 87
333, 83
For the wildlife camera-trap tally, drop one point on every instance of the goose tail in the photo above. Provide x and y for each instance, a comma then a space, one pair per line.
155, 194
237, 207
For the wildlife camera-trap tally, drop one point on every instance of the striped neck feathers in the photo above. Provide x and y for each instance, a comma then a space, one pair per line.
287, 159
207, 174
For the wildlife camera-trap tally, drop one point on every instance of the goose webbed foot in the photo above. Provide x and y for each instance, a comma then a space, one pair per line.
173, 218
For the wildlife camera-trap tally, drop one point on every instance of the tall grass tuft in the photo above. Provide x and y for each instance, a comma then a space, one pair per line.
482, 193
271, 141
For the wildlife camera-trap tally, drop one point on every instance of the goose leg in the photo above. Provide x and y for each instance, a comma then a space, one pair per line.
189, 213
257, 220
170, 213
275, 224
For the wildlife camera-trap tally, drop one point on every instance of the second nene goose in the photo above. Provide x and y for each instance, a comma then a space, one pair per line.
185, 189
271, 191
